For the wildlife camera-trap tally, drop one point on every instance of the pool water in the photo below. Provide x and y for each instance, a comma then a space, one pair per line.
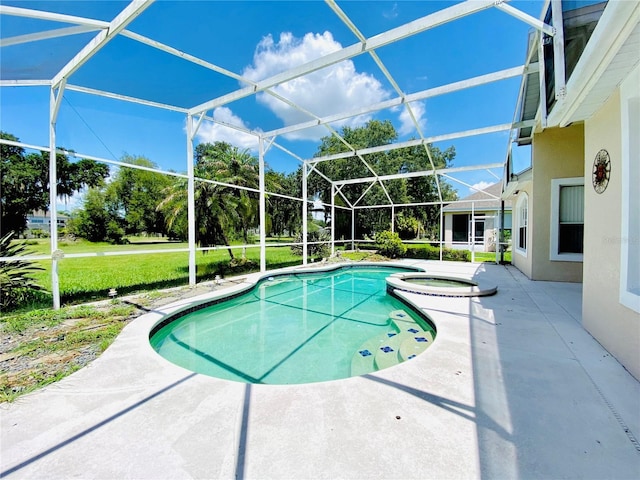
299, 328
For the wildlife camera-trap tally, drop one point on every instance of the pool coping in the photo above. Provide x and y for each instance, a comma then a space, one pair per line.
475, 289
487, 399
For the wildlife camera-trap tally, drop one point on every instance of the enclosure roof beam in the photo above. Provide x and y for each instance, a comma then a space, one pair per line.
124, 98
493, 197
385, 191
25, 83
128, 14
47, 35
390, 36
440, 171
526, 18
437, 202
363, 193
234, 127
50, 16
23, 145
301, 160
347, 21
185, 56
437, 138
412, 97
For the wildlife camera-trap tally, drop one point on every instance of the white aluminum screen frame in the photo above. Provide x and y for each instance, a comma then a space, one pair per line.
109, 30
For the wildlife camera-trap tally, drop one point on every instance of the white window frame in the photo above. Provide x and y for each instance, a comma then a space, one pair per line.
630, 224
556, 184
523, 198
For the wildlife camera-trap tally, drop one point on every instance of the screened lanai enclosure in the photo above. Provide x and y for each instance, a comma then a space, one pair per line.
353, 115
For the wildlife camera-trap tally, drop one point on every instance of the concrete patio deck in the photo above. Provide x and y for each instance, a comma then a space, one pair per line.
513, 387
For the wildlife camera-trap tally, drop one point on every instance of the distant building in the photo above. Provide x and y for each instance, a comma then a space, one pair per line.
39, 223
474, 220
319, 213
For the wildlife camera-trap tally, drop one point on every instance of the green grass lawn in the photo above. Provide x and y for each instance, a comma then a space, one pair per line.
90, 278
490, 256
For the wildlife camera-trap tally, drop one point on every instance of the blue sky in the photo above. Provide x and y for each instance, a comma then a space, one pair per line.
257, 40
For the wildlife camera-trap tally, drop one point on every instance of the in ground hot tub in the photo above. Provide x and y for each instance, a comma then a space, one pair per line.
439, 285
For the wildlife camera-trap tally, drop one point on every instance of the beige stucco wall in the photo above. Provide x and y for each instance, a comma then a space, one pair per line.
448, 230
615, 326
557, 153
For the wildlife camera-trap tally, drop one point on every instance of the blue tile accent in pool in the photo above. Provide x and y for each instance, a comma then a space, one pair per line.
421, 339
413, 330
386, 349
364, 353
401, 315
410, 357
391, 334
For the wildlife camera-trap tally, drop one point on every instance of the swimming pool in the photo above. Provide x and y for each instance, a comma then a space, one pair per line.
298, 328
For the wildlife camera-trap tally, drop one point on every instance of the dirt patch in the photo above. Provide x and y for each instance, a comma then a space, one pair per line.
43, 348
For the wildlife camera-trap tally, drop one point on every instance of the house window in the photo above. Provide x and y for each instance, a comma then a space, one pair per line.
522, 223
461, 228
567, 219
630, 228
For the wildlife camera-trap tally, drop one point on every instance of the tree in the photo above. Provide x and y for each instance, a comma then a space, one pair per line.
400, 191
136, 194
96, 221
284, 216
230, 165
220, 209
24, 182
407, 227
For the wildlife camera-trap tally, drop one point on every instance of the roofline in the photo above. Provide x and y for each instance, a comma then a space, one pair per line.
614, 27
488, 209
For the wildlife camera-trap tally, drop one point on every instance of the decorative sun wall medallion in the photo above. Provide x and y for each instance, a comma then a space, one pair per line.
601, 171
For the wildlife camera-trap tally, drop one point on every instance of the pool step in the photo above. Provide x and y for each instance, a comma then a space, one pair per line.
362, 360
387, 354
415, 345
404, 340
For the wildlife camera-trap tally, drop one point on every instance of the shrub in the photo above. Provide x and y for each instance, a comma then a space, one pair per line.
429, 252
39, 233
316, 250
389, 244
16, 282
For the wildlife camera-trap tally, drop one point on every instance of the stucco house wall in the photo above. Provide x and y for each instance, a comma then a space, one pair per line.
599, 109
614, 325
557, 153
448, 230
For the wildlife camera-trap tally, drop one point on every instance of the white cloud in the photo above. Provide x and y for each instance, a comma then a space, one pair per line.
332, 89
406, 123
391, 14
212, 132
480, 186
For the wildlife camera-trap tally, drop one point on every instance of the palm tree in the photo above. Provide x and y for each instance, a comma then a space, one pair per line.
231, 165
220, 209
